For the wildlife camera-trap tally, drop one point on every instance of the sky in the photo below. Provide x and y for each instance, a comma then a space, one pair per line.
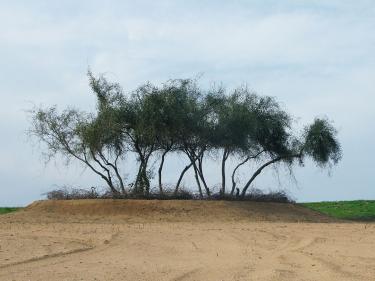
317, 58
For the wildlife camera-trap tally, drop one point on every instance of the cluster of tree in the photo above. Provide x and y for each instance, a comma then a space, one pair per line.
181, 118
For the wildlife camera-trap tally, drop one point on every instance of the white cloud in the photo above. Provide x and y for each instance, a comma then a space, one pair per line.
317, 57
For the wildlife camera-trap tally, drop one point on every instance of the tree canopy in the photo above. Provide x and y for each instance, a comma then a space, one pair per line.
179, 117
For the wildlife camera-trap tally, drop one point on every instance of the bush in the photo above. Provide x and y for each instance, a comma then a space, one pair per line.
257, 195
66, 193
280, 196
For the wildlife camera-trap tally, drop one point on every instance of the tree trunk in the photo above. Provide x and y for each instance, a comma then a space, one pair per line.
110, 184
137, 188
257, 172
85, 160
160, 170
225, 157
234, 173
197, 179
181, 176
200, 173
122, 187
238, 166
121, 182
145, 180
115, 168
142, 183
108, 179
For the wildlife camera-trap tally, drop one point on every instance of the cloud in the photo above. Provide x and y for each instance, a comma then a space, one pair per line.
316, 57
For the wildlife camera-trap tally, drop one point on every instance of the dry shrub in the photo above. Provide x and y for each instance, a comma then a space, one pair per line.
257, 195
69, 193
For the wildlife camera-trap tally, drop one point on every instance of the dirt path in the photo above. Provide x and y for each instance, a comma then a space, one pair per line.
50, 246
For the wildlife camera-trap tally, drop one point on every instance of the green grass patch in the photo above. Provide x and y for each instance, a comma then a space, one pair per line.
5, 210
363, 210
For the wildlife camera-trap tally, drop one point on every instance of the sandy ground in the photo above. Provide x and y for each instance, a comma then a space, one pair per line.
169, 240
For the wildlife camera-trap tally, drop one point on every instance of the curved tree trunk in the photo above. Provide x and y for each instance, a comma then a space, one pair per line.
108, 179
115, 168
145, 180
234, 173
201, 175
191, 154
181, 176
197, 180
142, 183
122, 187
257, 172
223, 161
160, 170
238, 166
85, 160
137, 188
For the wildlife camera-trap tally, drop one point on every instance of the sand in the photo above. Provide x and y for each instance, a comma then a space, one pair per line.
181, 240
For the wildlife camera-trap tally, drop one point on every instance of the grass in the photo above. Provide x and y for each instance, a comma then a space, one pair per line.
362, 210
5, 210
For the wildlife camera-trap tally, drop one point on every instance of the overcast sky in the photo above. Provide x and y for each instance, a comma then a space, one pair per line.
316, 57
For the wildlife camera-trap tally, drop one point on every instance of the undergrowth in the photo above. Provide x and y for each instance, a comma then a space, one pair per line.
65, 193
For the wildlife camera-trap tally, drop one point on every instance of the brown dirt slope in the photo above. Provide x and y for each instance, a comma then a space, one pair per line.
139, 240
175, 210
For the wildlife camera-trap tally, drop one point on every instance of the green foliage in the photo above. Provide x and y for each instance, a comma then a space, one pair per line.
351, 210
272, 126
109, 95
179, 117
321, 142
5, 210
233, 121
59, 131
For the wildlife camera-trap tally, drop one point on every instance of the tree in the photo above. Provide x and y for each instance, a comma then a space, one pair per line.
165, 107
181, 118
191, 135
105, 134
97, 141
233, 123
69, 134
319, 142
141, 132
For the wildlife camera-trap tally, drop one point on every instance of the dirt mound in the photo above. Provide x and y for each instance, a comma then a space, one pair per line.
174, 210
181, 240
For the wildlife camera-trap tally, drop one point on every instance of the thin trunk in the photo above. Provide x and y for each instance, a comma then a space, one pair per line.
238, 166
197, 179
233, 175
146, 180
138, 178
161, 169
257, 172
109, 178
122, 186
143, 182
85, 160
197, 169
224, 159
200, 172
181, 176
115, 168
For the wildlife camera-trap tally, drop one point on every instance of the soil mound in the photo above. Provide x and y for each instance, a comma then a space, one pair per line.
173, 210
